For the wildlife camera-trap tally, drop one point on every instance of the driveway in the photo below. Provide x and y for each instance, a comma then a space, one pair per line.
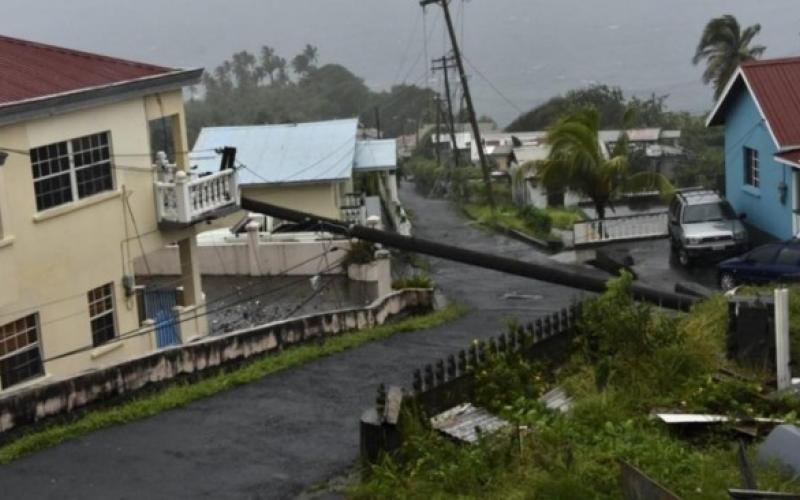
275, 437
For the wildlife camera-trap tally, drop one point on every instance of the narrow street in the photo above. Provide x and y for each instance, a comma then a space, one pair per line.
276, 437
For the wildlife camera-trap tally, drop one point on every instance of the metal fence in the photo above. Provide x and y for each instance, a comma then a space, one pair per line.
632, 227
449, 382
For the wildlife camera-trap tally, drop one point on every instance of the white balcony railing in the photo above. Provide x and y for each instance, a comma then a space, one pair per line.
612, 229
192, 199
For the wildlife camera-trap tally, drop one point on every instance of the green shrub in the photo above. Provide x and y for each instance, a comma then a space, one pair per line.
536, 220
420, 280
360, 252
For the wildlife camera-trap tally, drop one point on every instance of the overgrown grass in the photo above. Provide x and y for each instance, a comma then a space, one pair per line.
628, 359
504, 216
181, 394
564, 218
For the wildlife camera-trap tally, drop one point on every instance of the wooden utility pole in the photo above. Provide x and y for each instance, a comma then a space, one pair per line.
444, 66
378, 122
476, 133
438, 130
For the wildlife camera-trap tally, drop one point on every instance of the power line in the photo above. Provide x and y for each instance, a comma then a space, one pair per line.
493, 87
138, 331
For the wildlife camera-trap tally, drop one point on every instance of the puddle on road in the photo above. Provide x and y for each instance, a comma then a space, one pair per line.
521, 296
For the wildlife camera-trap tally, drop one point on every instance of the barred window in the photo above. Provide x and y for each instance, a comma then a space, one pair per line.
71, 170
751, 174
101, 314
20, 357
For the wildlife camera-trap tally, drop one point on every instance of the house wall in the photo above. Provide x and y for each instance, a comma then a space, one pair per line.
49, 260
744, 127
319, 199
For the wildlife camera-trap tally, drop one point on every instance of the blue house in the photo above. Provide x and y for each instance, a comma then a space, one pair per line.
760, 109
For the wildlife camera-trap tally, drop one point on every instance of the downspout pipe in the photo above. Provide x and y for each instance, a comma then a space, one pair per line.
552, 272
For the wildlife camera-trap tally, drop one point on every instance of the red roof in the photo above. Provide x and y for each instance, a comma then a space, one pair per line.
775, 84
790, 156
30, 70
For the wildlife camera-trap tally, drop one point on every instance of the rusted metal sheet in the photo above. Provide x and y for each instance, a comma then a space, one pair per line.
466, 422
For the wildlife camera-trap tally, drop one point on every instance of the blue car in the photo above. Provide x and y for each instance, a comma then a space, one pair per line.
765, 264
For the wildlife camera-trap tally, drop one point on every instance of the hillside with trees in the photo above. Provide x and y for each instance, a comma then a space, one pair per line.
267, 88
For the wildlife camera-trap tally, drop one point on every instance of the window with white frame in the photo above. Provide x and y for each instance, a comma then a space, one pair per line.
751, 167
101, 314
71, 170
20, 357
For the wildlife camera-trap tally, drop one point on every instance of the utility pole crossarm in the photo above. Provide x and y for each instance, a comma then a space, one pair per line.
476, 133
444, 67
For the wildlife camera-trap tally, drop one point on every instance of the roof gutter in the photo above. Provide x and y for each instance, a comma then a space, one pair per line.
96, 96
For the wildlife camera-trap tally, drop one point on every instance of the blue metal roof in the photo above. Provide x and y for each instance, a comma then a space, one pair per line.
282, 154
376, 155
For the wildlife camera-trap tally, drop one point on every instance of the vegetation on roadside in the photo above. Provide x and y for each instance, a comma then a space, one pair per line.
181, 394
417, 280
627, 360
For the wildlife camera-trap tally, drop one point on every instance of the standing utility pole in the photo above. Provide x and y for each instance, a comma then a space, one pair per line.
476, 133
378, 122
445, 64
438, 130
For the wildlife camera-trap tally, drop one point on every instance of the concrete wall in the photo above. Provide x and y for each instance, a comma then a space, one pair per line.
49, 260
31, 405
290, 258
745, 128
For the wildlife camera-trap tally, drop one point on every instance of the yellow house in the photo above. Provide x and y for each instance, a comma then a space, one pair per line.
80, 198
303, 166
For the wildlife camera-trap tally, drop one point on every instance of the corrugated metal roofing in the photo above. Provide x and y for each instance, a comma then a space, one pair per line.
776, 85
33, 70
281, 154
376, 155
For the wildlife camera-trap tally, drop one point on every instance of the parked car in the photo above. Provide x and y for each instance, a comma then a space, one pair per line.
765, 264
703, 224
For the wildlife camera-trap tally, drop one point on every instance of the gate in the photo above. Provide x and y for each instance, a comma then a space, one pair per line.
159, 305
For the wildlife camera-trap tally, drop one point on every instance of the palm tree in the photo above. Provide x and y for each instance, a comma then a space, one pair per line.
580, 162
725, 46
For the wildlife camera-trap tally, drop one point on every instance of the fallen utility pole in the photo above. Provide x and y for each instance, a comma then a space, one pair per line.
444, 67
473, 119
552, 272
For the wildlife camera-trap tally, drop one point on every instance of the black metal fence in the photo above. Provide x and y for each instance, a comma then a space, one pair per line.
451, 381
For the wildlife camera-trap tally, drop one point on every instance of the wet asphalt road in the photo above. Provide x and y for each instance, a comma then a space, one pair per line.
276, 437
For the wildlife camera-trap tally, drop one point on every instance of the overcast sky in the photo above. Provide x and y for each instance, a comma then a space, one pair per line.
529, 49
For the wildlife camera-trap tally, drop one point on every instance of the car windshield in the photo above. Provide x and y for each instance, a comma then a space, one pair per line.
708, 212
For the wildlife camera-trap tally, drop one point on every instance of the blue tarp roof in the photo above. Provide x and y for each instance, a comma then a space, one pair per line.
376, 155
276, 154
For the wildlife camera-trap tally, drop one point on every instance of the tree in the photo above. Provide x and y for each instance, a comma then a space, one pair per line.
306, 61
724, 46
578, 161
608, 101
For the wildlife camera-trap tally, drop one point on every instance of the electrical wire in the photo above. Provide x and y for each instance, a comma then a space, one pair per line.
138, 331
493, 87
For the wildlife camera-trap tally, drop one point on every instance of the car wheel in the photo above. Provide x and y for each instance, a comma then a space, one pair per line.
727, 282
683, 257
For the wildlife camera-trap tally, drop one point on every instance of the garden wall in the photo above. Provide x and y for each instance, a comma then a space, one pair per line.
30, 405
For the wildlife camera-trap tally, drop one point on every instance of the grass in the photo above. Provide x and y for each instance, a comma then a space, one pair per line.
504, 216
564, 218
181, 394
627, 360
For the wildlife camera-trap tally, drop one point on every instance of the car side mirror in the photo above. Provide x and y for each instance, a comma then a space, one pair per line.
742, 216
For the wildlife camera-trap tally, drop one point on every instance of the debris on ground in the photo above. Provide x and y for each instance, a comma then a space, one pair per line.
467, 422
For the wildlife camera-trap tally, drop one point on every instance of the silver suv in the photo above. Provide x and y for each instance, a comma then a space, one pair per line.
703, 224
